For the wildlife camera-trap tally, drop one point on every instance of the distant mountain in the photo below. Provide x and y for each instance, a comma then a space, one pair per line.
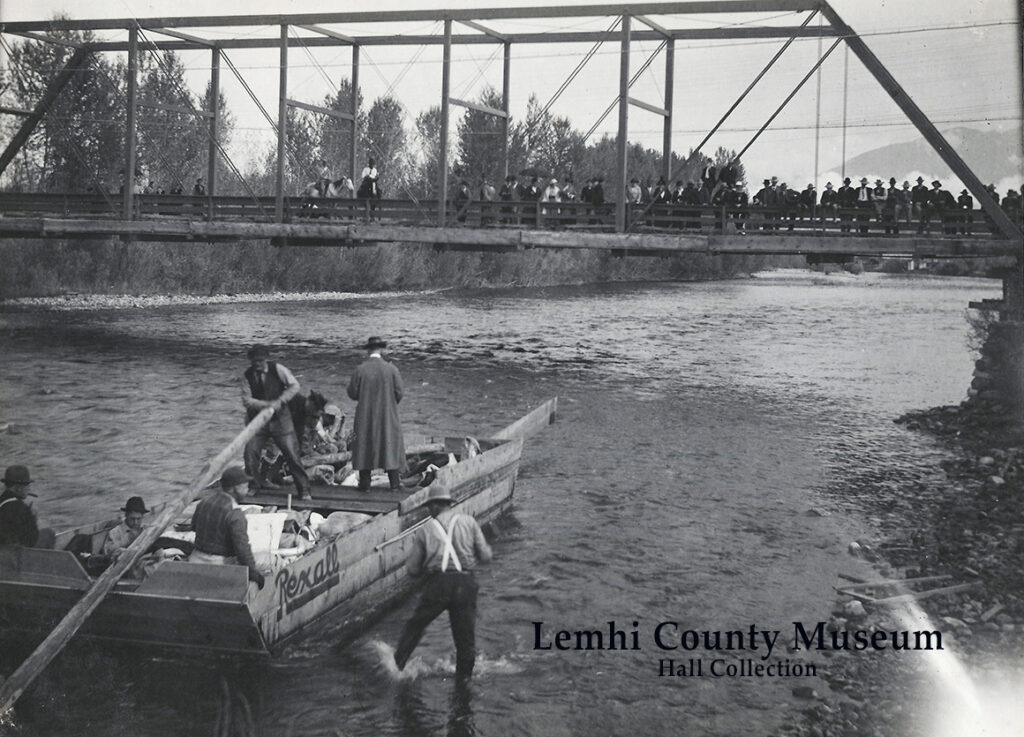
993, 156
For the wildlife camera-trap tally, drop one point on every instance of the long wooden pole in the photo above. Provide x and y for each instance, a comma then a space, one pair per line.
13, 687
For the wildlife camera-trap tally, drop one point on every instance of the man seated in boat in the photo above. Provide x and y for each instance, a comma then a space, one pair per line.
125, 533
17, 520
222, 534
323, 433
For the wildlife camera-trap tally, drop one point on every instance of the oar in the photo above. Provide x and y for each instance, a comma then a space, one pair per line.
14, 686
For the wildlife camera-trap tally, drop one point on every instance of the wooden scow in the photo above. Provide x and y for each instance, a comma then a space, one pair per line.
210, 608
14, 686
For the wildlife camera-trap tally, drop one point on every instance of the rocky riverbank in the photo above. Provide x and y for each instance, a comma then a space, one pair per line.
970, 528
72, 302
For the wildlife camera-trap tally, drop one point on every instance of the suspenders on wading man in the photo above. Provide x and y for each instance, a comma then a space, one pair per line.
445, 551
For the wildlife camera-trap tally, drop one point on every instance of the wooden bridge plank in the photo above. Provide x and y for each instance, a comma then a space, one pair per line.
360, 233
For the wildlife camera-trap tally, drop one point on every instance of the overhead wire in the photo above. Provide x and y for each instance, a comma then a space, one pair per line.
213, 139
579, 67
633, 79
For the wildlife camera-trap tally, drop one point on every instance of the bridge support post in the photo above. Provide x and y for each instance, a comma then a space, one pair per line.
282, 128
506, 84
211, 159
129, 131
623, 145
670, 66
355, 115
442, 163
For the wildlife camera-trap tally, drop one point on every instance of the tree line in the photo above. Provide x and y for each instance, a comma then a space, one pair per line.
75, 146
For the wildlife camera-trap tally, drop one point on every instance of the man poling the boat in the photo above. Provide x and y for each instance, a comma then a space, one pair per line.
222, 533
17, 520
265, 381
445, 551
377, 440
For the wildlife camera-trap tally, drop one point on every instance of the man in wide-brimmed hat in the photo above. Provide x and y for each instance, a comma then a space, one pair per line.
263, 383
444, 553
377, 440
17, 520
125, 533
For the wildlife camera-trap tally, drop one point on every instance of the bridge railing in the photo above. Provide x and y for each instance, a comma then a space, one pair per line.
662, 218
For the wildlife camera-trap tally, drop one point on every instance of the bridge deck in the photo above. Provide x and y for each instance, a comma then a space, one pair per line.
497, 226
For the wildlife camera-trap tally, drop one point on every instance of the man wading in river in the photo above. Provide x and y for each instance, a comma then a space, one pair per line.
445, 550
377, 440
265, 381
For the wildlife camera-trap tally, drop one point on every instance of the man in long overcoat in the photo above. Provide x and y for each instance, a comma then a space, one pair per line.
377, 440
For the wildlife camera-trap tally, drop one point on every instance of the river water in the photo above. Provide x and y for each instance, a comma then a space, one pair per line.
706, 434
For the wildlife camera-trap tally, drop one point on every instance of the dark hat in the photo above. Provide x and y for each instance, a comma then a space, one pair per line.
375, 342
936, 183
846, 181
767, 181
234, 476
438, 493
965, 192
920, 179
828, 185
135, 504
17, 475
258, 351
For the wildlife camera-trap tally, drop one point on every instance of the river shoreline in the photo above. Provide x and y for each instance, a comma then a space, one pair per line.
75, 302
968, 528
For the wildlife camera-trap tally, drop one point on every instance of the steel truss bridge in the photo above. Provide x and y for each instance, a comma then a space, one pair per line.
618, 226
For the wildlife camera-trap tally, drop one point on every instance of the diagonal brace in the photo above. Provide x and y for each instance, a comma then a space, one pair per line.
50, 94
924, 126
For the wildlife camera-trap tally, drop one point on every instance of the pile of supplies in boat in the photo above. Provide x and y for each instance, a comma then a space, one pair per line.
276, 535
325, 444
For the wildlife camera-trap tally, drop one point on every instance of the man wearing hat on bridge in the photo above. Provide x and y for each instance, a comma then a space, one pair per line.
846, 201
919, 198
125, 533
444, 553
17, 520
263, 382
377, 440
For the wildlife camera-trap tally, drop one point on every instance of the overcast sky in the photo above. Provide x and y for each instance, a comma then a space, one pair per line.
959, 60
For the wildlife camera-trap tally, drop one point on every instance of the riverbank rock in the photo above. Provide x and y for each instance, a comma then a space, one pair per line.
970, 525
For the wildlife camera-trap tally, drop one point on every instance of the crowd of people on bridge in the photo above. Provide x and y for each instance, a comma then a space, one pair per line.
721, 195
718, 195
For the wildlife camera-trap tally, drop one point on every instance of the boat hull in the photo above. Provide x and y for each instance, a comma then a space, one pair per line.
343, 583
